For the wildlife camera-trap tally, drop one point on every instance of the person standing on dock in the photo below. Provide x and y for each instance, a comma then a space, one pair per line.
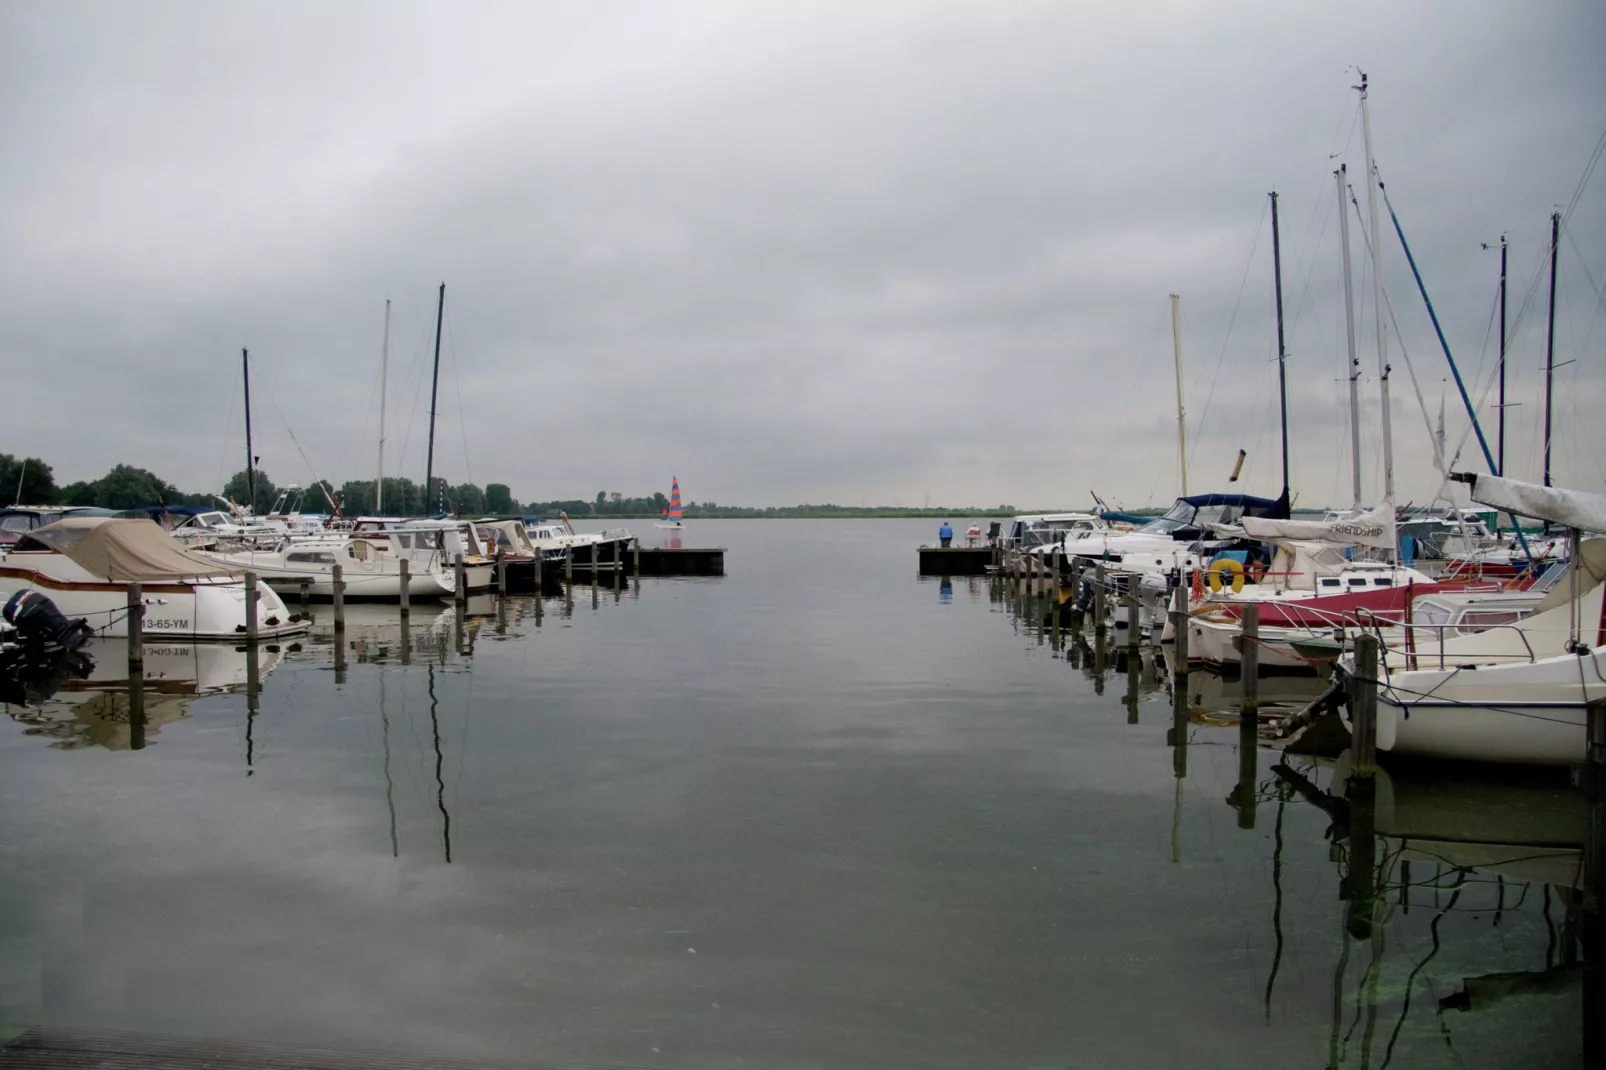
946, 534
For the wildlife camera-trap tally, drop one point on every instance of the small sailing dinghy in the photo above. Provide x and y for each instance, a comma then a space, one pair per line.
671, 515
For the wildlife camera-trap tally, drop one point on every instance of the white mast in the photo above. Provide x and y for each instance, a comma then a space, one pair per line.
1377, 294
1349, 336
384, 369
1182, 423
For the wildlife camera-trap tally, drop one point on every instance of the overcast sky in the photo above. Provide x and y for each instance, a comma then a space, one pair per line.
884, 252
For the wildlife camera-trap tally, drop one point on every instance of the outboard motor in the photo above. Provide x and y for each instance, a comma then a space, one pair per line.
40, 624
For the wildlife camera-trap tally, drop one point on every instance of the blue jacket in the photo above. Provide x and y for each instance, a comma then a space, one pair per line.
945, 532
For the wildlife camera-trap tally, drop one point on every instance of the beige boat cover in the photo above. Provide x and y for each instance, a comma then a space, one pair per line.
1591, 568
1572, 508
125, 551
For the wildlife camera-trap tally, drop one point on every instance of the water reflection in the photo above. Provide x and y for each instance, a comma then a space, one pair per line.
94, 703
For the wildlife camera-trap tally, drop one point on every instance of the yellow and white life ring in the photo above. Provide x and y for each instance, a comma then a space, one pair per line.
1219, 571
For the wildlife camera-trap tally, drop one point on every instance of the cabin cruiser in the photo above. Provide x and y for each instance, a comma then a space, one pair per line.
1180, 539
370, 568
585, 547
84, 565
216, 529
432, 544
1044, 533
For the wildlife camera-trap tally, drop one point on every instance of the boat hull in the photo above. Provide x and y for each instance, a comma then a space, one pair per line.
201, 610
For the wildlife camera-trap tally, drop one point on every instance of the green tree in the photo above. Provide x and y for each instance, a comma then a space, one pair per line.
357, 497
468, 500
499, 500
237, 490
37, 482
79, 493
127, 487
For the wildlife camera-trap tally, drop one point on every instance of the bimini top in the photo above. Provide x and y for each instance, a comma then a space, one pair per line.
1276, 508
123, 551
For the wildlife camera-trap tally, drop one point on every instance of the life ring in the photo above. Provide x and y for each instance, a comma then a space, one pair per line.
1219, 569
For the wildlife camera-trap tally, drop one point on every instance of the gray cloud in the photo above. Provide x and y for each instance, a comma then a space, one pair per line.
785, 252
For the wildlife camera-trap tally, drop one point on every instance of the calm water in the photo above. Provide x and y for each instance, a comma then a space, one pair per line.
815, 813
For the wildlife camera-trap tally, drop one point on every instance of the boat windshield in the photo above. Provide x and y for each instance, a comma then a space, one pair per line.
1183, 515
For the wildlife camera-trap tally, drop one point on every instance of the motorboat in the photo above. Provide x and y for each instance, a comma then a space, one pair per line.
432, 545
216, 529
1179, 540
84, 565
1045, 533
370, 566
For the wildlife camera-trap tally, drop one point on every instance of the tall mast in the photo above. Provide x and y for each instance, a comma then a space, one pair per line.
384, 369
434, 390
1182, 422
1500, 462
1377, 295
1550, 336
1282, 352
250, 461
1349, 337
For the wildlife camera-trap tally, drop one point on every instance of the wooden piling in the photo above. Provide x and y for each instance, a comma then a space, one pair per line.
1363, 708
1249, 660
1133, 611
461, 569
251, 596
1179, 673
338, 578
406, 588
136, 654
568, 565
306, 593
1100, 609
501, 570
1592, 778
635, 549
617, 558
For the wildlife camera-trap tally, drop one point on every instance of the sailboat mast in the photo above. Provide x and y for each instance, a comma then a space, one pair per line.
384, 370
1377, 294
1500, 462
1349, 337
1282, 352
250, 460
1550, 336
434, 391
1182, 422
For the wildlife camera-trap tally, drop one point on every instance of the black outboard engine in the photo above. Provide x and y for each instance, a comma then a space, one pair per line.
41, 626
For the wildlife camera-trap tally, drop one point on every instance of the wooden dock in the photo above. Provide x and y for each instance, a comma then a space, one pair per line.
658, 561
955, 560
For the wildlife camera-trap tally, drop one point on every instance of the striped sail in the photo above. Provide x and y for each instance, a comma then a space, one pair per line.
674, 500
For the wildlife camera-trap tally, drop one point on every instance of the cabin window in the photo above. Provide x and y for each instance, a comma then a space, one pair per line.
310, 557
1331, 583
1431, 614
1357, 581
1383, 581
1475, 620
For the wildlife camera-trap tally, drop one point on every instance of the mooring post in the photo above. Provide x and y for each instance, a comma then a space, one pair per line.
338, 579
1100, 610
1133, 612
501, 570
568, 565
635, 551
617, 558
1592, 778
1179, 670
306, 592
460, 567
136, 652
1249, 660
406, 588
251, 597
1363, 708
1248, 716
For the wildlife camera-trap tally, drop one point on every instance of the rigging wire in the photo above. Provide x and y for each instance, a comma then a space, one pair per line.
1215, 376
228, 430
457, 391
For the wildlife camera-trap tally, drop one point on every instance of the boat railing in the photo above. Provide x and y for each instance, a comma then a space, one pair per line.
1414, 656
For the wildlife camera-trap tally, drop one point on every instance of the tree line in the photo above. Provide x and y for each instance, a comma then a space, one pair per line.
31, 481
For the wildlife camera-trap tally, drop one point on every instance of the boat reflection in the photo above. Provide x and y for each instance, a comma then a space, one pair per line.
95, 705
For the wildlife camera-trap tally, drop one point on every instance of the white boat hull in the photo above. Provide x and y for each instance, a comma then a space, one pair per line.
202, 610
1528, 713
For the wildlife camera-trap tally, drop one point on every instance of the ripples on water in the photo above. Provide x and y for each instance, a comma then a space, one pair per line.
817, 812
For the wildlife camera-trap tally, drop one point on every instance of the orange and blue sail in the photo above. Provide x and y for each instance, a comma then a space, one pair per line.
673, 515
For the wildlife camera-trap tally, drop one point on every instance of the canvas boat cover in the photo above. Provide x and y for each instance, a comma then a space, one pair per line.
1570, 508
123, 551
1372, 527
1591, 567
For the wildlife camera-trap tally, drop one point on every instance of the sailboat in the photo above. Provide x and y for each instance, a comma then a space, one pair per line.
671, 515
